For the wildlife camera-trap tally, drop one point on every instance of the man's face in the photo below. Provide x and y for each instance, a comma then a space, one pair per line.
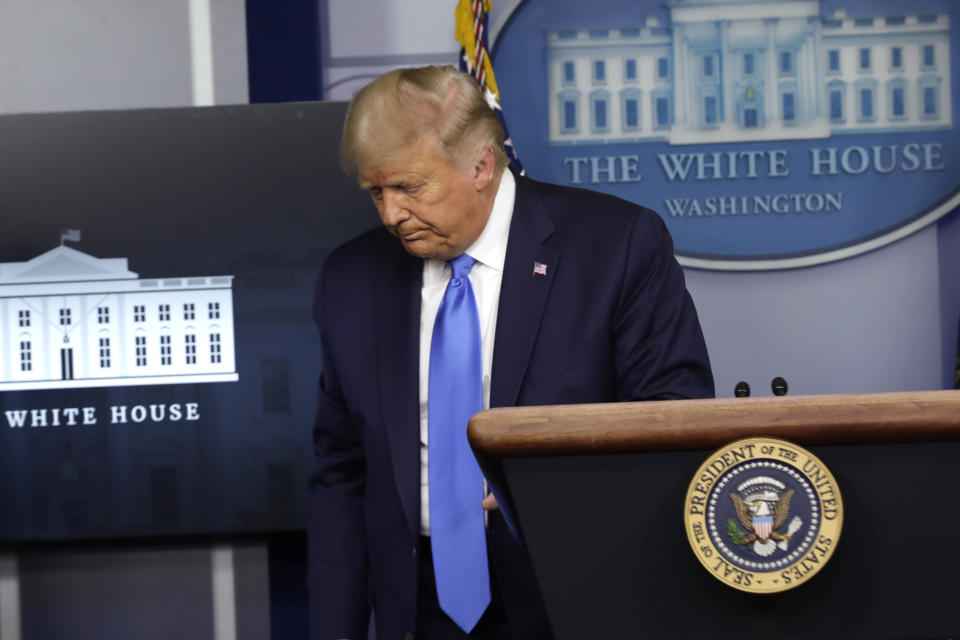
435, 207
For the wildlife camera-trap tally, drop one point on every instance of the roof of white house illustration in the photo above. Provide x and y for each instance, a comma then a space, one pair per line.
64, 264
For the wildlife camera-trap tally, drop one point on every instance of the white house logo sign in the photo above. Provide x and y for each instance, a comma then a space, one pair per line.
72, 320
767, 133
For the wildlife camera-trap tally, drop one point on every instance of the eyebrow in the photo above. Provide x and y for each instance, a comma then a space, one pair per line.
399, 183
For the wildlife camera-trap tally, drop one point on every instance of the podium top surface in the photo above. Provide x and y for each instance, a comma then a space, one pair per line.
914, 416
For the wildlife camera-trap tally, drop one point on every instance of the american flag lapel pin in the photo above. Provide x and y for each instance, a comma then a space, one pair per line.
539, 269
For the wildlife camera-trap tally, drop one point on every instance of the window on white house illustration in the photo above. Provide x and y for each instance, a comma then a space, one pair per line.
569, 115
750, 117
630, 69
749, 64
139, 313
708, 66
789, 106
24, 317
866, 99
897, 99
166, 351
928, 59
630, 109
864, 59
190, 348
140, 350
786, 63
164, 312
836, 105
663, 68
104, 353
65, 317
103, 315
599, 71
631, 113
898, 108
569, 73
189, 311
215, 355
930, 98
710, 109
600, 111
26, 356
833, 60
896, 58
213, 310
663, 111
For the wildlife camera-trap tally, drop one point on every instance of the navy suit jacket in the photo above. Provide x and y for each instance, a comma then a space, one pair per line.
610, 321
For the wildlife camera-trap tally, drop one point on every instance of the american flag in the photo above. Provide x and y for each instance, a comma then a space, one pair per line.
539, 269
471, 33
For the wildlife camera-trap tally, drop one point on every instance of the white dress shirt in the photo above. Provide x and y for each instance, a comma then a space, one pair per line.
489, 250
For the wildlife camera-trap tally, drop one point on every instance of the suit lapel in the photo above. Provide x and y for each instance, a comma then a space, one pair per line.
523, 293
398, 342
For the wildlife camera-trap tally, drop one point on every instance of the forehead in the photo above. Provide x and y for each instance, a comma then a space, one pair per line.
424, 159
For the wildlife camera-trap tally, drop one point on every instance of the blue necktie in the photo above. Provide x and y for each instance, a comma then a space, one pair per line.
457, 536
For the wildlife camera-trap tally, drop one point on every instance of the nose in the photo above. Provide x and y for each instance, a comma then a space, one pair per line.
393, 209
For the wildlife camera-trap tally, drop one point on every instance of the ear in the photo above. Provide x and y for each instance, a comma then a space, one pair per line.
484, 169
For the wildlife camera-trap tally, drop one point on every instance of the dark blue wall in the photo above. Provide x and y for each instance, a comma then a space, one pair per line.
283, 50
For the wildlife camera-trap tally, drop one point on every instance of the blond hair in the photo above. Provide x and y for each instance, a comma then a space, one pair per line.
392, 113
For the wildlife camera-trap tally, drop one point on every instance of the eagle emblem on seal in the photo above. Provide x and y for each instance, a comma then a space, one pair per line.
762, 505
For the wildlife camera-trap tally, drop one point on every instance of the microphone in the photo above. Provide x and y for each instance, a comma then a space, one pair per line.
779, 386
742, 390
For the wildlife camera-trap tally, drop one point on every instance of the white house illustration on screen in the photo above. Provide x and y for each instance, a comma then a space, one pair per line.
68, 319
743, 70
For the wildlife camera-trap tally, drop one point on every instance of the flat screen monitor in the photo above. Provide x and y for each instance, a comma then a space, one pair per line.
158, 357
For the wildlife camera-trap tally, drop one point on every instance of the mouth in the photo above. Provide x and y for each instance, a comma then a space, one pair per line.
410, 236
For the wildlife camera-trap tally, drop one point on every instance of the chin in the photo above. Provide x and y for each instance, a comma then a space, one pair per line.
430, 250
421, 250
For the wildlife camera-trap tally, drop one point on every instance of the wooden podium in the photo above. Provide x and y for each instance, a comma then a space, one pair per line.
597, 492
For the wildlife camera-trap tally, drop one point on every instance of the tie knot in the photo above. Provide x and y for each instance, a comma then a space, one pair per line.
461, 265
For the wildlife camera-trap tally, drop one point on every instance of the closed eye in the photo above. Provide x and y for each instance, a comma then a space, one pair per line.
411, 190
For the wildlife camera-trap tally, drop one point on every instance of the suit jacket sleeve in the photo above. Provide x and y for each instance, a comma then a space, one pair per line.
659, 350
338, 570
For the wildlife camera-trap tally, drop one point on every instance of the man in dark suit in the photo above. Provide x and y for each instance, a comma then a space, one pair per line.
578, 299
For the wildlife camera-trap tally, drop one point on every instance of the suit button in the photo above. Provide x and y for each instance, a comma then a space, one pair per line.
408, 636
414, 552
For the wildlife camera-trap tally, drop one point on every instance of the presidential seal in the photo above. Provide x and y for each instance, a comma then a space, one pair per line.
763, 515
